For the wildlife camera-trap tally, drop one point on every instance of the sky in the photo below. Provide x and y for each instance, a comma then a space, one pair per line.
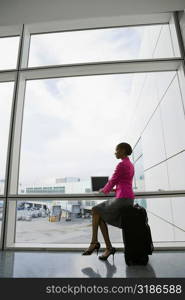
79, 120
8, 52
89, 45
76, 131
71, 126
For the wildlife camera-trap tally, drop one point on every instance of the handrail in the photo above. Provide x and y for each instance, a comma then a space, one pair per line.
97, 195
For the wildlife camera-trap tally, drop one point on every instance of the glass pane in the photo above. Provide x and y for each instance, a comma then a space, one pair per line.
60, 222
6, 94
72, 125
70, 221
98, 45
8, 52
139, 175
166, 218
65, 127
137, 151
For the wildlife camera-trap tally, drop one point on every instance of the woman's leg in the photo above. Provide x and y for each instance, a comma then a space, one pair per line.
98, 221
95, 224
105, 233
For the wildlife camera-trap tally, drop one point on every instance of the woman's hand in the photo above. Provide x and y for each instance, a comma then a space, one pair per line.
101, 191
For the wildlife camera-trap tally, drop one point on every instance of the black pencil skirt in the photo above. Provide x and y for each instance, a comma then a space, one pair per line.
111, 210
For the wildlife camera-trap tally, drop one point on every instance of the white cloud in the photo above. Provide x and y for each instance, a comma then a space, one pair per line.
95, 111
8, 52
72, 125
85, 46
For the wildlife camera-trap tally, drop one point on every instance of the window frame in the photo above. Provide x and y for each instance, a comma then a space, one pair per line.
23, 73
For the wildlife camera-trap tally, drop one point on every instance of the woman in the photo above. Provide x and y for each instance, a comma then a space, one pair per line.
110, 211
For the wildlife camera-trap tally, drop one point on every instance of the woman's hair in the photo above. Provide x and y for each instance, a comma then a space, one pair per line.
126, 147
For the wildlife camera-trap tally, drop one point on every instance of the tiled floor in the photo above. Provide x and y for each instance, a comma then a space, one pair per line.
73, 264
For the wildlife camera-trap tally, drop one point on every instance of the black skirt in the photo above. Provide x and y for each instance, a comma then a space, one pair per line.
111, 210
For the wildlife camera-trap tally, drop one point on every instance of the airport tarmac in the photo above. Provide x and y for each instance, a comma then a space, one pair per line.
78, 230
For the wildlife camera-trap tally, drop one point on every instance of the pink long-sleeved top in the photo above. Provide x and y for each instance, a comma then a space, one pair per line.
122, 178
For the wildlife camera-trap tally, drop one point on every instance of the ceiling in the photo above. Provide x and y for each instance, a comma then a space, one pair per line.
14, 12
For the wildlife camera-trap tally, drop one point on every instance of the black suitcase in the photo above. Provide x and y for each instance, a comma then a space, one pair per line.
136, 235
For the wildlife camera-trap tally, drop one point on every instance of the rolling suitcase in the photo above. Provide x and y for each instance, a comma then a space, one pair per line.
136, 235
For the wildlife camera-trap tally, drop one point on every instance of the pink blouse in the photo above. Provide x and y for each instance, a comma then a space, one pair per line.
122, 178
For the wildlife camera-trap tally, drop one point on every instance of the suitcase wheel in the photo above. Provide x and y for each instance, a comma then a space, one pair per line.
128, 260
143, 260
133, 261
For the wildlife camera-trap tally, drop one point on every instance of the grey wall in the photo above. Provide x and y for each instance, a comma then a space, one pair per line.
25, 11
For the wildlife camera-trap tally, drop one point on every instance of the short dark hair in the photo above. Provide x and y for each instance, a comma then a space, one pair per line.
126, 147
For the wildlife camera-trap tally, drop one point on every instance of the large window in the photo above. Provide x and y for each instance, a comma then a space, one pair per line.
100, 45
78, 93
70, 221
70, 130
72, 125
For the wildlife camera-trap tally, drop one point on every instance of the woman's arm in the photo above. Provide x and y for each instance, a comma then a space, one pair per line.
114, 179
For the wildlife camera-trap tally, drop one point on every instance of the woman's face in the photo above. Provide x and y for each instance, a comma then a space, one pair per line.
119, 153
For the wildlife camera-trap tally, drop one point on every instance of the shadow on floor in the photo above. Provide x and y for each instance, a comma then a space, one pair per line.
110, 270
131, 271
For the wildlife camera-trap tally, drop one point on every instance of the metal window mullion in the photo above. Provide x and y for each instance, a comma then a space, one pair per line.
102, 68
11, 139
181, 71
179, 39
179, 35
8, 76
173, 38
25, 48
12, 119
158, 246
98, 196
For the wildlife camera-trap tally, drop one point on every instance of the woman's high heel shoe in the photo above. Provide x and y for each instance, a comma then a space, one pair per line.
112, 251
96, 247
